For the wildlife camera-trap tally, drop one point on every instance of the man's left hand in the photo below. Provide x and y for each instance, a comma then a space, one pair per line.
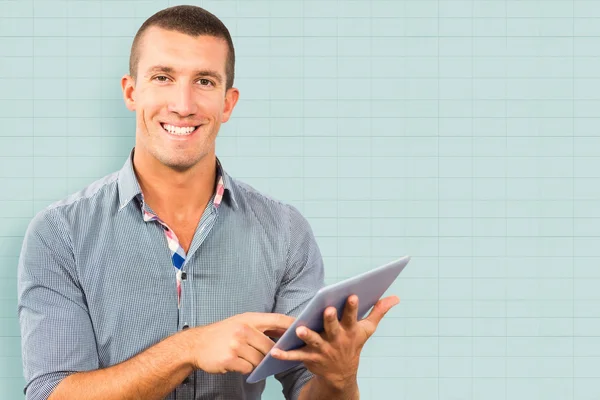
334, 354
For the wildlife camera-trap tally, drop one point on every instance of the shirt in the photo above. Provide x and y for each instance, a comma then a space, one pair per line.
177, 252
96, 282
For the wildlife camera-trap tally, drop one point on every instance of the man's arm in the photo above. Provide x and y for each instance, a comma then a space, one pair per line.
333, 355
152, 374
60, 358
318, 389
303, 277
330, 359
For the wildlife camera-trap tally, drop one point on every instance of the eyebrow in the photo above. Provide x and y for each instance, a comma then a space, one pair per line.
202, 72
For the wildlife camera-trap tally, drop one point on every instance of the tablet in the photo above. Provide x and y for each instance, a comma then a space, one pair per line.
369, 287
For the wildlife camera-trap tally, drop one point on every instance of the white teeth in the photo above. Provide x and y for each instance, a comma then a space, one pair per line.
176, 130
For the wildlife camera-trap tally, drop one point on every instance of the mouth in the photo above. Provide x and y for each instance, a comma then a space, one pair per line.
179, 131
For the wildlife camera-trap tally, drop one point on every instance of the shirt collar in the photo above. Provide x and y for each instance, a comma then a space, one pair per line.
129, 187
227, 185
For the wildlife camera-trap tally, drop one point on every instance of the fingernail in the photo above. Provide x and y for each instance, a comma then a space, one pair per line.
301, 331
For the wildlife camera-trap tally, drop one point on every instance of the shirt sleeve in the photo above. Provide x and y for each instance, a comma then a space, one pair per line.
303, 277
57, 337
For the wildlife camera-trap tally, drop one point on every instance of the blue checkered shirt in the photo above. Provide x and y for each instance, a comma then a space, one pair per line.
96, 284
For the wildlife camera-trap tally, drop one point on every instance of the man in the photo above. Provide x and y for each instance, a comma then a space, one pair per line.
168, 277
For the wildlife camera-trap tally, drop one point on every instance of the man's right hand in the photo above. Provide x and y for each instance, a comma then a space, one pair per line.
238, 343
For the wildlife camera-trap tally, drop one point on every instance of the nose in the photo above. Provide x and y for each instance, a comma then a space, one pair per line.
182, 102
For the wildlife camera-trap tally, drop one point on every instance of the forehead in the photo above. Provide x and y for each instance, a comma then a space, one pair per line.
161, 46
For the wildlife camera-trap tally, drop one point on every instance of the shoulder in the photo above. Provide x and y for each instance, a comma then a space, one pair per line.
56, 217
91, 192
266, 205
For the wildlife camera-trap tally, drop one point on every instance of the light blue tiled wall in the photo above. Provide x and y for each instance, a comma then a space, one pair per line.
464, 133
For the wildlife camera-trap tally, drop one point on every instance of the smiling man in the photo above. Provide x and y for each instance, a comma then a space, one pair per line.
167, 279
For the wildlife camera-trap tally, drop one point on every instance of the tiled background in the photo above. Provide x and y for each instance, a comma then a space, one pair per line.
464, 133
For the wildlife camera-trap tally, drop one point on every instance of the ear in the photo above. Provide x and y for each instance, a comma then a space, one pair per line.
231, 98
128, 88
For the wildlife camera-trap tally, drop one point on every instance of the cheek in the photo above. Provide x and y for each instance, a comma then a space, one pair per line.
144, 121
212, 105
151, 101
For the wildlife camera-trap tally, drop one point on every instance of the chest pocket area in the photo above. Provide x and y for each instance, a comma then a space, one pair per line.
235, 284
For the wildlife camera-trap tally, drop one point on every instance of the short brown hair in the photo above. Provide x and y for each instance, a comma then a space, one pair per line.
190, 20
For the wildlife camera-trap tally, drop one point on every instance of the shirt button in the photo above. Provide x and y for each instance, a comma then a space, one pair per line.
184, 327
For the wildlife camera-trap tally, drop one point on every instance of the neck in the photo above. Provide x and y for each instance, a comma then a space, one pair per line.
175, 194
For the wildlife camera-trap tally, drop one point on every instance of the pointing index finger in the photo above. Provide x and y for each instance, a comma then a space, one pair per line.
271, 321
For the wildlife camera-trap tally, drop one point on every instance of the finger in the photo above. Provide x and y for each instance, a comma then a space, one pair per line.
310, 337
242, 366
350, 316
330, 322
250, 354
293, 355
275, 332
378, 312
259, 340
269, 321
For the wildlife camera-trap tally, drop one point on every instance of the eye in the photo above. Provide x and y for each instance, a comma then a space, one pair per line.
161, 78
205, 82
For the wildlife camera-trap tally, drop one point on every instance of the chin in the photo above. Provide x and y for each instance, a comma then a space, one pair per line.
179, 163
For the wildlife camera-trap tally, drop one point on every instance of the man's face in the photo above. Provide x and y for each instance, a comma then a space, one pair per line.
179, 96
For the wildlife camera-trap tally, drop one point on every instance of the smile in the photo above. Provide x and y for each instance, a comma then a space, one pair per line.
179, 130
